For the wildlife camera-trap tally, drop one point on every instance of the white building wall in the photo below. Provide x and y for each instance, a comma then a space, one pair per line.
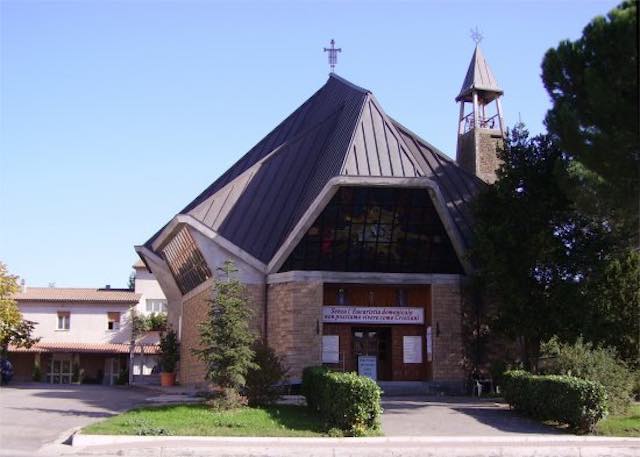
88, 322
148, 287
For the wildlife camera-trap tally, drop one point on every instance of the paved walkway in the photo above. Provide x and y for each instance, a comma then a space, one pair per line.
32, 415
454, 416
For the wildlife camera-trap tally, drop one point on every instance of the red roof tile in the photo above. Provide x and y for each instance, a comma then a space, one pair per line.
69, 294
102, 348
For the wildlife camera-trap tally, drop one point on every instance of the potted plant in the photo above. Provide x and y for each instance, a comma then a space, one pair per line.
169, 356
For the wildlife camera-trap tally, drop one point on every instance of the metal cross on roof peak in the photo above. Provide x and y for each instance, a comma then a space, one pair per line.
476, 36
333, 54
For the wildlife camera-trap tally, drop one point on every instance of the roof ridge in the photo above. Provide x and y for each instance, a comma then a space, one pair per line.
434, 149
349, 83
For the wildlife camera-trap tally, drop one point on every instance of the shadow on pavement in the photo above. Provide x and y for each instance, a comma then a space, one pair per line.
444, 410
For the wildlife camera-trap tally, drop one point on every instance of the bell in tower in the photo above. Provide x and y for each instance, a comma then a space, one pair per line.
481, 125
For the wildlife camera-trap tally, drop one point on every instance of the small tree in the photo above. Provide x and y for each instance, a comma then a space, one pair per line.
225, 337
169, 351
263, 381
13, 328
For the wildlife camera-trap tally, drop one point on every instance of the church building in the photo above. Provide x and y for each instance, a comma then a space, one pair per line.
350, 233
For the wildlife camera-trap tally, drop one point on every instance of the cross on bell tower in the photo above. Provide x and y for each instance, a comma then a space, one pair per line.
333, 54
480, 125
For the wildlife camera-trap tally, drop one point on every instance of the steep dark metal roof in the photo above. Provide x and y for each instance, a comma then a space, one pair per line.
479, 77
340, 131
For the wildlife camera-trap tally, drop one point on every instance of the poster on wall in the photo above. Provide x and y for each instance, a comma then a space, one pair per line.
429, 345
330, 349
368, 366
412, 349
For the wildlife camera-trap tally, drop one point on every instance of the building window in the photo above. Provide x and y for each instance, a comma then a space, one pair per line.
64, 320
113, 321
376, 229
185, 261
156, 306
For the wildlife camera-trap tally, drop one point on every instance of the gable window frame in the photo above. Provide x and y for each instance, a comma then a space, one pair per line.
63, 322
113, 320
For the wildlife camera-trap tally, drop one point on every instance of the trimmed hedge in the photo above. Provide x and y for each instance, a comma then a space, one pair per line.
345, 401
565, 399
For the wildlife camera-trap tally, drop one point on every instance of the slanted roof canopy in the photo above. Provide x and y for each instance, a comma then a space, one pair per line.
479, 78
341, 131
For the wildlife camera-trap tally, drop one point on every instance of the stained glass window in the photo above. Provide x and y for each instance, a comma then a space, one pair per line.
376, 229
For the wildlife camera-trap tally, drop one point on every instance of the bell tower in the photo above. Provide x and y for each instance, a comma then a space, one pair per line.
480, 125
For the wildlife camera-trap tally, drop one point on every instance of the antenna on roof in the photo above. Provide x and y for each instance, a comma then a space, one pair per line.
476, 36
333, 54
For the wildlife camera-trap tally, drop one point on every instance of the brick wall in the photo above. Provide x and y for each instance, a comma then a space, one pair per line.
192, 370
295, 324
448, 351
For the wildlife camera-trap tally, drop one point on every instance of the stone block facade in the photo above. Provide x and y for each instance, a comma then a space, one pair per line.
194, 311
488, 142
294, 328
477, 153
448, 350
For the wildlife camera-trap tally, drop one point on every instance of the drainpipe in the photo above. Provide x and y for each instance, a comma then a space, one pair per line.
265, 334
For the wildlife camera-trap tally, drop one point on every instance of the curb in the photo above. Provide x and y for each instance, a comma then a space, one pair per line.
102, 440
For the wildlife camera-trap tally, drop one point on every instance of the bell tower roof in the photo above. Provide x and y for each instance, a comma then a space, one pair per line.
479, 78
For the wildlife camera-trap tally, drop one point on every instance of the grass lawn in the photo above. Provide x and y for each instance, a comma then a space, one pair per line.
627, 425
200, 420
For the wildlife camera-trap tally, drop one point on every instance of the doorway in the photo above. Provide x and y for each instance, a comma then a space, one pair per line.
111, 370
60, 370
372, 346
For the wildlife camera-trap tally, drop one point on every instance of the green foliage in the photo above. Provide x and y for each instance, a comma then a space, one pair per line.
132, 281
225, 337
169, 351
263, 381
226, 399
154, 322
312, 381
142, 427
625, 425
13, 328
346, 401
614, 297
593, 84
564, 399
201, 420
599, 364
531, 247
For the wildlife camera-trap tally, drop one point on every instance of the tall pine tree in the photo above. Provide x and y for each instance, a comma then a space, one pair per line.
225, 337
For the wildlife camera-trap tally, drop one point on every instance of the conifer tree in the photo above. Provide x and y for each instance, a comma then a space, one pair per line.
225, 338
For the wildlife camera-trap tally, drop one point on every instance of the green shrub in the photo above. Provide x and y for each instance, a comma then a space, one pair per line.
169, 351
598, 364
263, 381
346, 401
226, 399
312, 379
566, 399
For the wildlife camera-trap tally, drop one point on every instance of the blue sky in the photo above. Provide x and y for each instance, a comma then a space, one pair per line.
114, 115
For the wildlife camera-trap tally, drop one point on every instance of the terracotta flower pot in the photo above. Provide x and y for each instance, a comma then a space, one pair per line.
167, 379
